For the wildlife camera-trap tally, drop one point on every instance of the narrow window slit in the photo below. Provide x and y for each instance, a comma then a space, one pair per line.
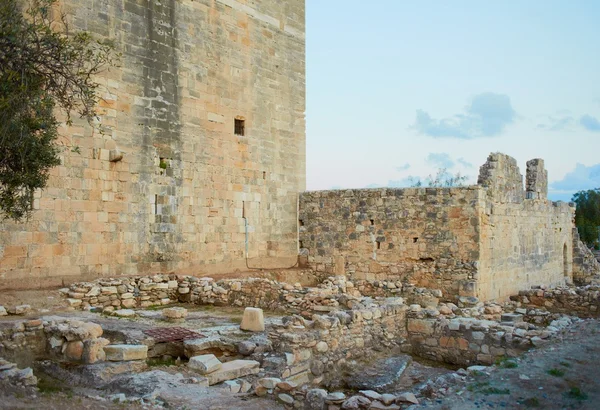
301, 222
415, 240
372, 221
378, 245
239, 127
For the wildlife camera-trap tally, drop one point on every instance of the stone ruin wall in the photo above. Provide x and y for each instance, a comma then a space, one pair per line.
487, 240
524, 242
585, 263
177, 199
425, 236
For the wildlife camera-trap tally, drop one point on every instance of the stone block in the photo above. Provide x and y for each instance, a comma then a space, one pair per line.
124, 313
3, 311
204, 364
118, 353
175, 313
253, 320
233, 370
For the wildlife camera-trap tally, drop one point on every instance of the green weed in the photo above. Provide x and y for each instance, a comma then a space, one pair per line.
556, 372
531, 402
577, 394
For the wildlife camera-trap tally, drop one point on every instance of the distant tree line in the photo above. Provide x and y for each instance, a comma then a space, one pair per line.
587, 216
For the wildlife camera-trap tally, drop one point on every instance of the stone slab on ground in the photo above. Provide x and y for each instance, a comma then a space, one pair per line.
204, 364
119, 353
233, 370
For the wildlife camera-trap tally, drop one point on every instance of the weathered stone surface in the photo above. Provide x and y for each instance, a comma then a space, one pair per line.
204, 364
253, 320
442, 249
246, 347
124, 313
74, 350
150, 196
233, 370
19, 309
3, 311
269, 382
407, 398
197, 347
379, 376
118, 353
175, 313
315, 399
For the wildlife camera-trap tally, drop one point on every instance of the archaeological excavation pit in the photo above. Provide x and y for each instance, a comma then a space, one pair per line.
340, 341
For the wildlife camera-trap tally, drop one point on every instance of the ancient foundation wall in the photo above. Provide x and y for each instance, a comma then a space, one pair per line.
425, 236
318, 348
188, 185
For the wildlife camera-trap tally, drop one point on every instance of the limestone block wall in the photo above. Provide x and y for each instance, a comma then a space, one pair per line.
187, 186
425, 236
488, 241
524, 242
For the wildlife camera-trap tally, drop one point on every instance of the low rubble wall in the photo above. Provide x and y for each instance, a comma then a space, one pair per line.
316, 349
61, 339
331, 294
585, 264
582, 301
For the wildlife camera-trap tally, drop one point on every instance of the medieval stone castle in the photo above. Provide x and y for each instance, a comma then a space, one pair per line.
197, 166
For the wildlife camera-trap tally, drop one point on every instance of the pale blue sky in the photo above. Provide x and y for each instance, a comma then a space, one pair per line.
400, 88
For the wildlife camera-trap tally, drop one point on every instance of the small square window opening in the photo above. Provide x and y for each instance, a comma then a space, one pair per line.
240, 127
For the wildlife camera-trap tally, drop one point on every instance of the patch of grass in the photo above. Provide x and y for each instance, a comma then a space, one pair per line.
531, 402
477, 373
477, 385
49, 386
161, 362
556, 372
236, 320
577, 394
506, 362
495, 390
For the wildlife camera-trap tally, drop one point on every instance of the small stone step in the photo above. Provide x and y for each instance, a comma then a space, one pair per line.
233, 370
120, 353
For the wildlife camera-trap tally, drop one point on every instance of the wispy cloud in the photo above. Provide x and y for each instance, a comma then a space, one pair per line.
590, 123
440, 160
403, 167
557, 123
581, 178
487, 115
464, 163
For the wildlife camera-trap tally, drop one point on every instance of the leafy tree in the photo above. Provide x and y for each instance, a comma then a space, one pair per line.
587, 215
45, 70
442, 179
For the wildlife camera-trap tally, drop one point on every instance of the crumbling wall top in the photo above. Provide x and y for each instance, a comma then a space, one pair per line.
536, 179
501, 176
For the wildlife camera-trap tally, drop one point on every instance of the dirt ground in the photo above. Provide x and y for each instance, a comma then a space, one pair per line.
41, 301
561, 375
